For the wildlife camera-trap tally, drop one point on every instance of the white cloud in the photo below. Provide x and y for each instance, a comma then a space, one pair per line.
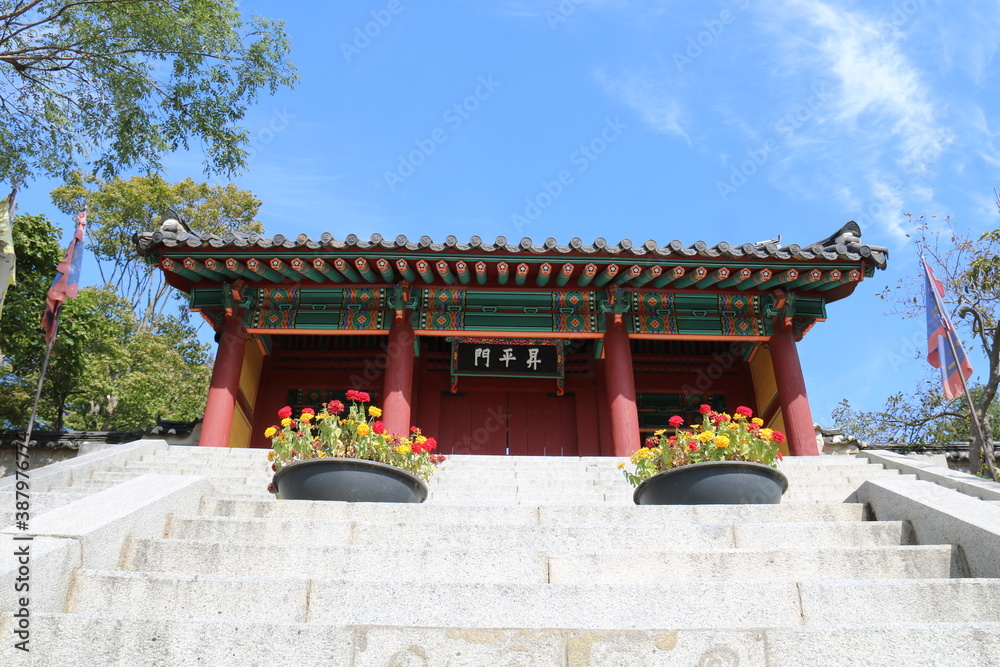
647, 97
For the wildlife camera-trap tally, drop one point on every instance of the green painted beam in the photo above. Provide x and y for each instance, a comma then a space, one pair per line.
806, 279
712, 278
444, 271
174, 266
361, 264
323, 267
233, 266
463, 272
284, 269
263, 271
629, 274
565, 273
758, 277
521, 274
691, 277
346, 270
587, 275
652, 273
503, 272
610, 271
669, 276
303, 268
782, 278
735, 277
481, 275
424, 269
219, 266
384, 268
854, 275
192, 264
544, 273
404, 270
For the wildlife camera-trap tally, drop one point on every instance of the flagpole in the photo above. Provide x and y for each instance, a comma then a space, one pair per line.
38, 393
949, 332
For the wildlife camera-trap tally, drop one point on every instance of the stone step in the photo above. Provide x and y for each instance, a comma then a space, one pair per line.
146, 641
551, 538
355, 563
799, 564
38, 503
675, 605
586, 514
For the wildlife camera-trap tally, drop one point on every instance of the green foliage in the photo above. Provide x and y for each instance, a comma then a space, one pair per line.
119, 83
118, 209
105, 372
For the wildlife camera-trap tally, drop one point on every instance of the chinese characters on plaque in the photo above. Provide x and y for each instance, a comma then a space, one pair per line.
521, 359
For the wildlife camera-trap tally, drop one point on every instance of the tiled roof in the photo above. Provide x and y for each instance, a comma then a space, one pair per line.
844, 244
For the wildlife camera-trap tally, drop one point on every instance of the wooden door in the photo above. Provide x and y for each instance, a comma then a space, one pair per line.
508, 423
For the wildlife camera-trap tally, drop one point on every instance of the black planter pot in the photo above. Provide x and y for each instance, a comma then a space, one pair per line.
714, 483
348, 480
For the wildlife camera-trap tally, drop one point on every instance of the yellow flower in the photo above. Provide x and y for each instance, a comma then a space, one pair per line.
758, 421
363, 429
321, 454
732, 426
705, 436
766, 434
375, 412
306, 417
659, 432
721, 441
321, 415
348, 421
270, 455
270, 431
421, 439
404, 448
287, 421
621, 465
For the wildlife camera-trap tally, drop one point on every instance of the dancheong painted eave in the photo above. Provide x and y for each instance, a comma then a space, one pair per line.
834, 265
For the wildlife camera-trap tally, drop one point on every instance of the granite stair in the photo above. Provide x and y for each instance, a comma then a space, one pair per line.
178, 554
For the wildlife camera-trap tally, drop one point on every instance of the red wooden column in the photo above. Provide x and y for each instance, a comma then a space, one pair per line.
621, 390
792, 393
225, 385
398, 402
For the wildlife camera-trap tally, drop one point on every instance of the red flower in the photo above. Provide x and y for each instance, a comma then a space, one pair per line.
778, 436
693, 446
752, 427
284, 412
437, 459
780, 457
360, 396
705, 409
274, 468
271, 489
430, 445
652, 442
672, 438
378, 427
417, 448
308, 411
335, 407
676, 421
745, 411
414, 429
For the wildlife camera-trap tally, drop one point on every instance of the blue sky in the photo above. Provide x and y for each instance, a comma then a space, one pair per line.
728, 120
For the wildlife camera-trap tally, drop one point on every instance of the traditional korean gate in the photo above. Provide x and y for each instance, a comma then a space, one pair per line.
508, 423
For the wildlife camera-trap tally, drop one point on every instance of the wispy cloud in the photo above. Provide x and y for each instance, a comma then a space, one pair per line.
647, 97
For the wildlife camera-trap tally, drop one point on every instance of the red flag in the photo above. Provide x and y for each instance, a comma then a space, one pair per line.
67, 281
950, 357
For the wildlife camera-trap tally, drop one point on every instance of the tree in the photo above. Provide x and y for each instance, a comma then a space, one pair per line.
105, 372
970, 271
119, 83
119, 209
